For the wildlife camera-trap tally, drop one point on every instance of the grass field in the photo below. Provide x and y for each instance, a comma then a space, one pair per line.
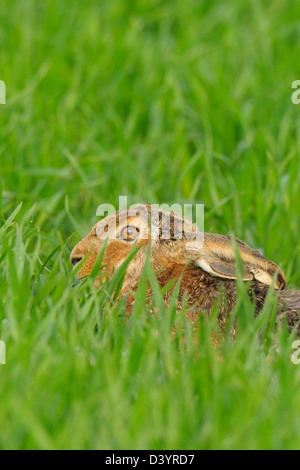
165, 102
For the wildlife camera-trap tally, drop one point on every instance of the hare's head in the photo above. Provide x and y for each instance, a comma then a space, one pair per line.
172, 242
143, 228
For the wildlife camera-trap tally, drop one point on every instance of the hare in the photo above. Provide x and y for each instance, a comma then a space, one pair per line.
206, 262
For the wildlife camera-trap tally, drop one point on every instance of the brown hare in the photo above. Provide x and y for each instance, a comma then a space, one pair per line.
206, 262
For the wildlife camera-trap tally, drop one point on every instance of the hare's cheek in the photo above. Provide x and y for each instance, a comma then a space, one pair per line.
116, 252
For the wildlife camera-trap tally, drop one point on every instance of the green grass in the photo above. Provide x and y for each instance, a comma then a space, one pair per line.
186, 102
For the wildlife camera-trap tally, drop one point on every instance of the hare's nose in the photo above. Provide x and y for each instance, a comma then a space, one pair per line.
77, 254
75, 260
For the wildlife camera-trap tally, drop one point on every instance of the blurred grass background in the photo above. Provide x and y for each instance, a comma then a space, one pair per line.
186, 102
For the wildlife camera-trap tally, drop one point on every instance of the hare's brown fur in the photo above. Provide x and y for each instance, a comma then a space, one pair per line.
205, 261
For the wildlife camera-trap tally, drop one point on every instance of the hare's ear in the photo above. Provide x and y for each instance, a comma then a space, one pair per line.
217, 256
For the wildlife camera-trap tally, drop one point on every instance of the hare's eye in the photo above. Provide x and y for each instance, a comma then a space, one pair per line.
129, 233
